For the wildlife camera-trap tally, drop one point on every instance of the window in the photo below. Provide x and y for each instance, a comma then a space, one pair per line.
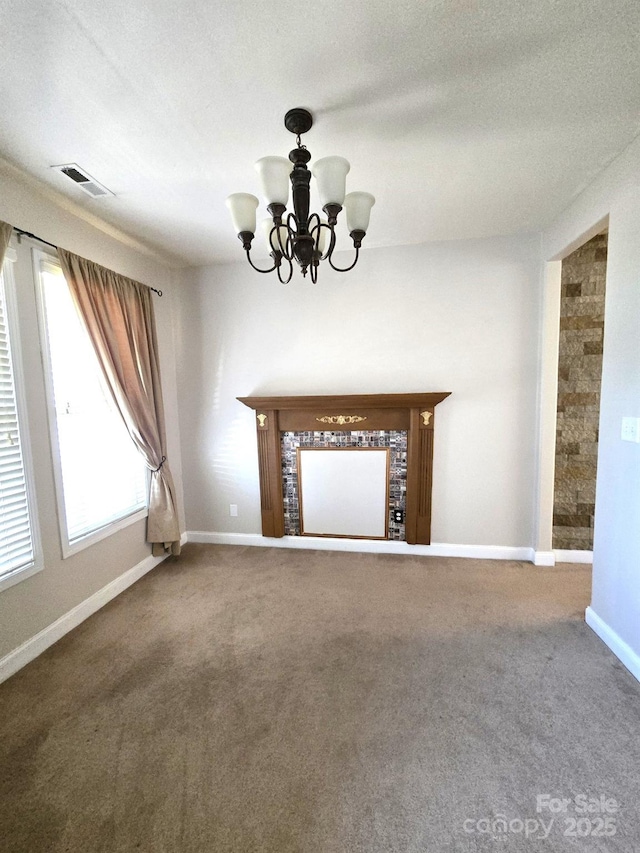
18, 538
101, 477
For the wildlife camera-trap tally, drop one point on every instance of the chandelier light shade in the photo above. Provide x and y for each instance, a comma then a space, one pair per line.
301, 236
243, 208
274, 174
331, 177
358, 207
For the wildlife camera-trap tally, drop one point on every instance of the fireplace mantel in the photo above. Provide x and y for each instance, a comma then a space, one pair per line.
348, 413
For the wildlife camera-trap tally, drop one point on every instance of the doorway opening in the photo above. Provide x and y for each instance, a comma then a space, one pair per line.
582, 303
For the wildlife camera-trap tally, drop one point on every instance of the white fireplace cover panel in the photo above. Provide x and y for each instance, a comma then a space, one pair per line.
344, 492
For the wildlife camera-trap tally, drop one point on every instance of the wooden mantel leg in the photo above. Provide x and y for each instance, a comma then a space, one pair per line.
419, 477
270, 466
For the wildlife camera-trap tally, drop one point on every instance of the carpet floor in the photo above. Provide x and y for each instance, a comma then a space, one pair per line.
278, 701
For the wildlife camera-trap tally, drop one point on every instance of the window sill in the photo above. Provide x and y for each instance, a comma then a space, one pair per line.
18, 575
69, 549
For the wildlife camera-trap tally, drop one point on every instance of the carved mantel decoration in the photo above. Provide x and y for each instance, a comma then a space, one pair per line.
411, 412
341, 419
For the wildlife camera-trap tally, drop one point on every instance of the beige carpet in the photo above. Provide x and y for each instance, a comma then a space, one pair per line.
249, 699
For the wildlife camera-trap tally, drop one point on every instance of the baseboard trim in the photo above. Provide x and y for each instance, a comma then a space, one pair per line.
368, 546
585, 557
544, 558
621, 650
550, 558
40, 642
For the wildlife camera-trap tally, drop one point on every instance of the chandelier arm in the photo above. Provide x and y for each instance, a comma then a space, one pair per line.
288, 279
313, 218
287, 255
314, 273
291, 225
332, 244
316, 228
257, 269
291, 218
314, 231
346, 269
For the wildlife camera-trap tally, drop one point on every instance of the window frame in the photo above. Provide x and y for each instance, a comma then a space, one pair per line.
42, 257
13, 324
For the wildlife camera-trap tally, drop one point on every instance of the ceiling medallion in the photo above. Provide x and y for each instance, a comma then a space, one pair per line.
301, 237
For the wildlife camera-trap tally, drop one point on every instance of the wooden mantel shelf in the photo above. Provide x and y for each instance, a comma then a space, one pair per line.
348, 412
333, 401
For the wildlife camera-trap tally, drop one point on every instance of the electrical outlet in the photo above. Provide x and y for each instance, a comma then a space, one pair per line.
233, 510
398, 516
630, 429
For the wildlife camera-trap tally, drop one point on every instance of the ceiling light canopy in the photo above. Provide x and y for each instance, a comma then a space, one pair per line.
300, 236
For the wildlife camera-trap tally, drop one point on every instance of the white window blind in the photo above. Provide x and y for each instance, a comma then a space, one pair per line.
103, 475
16, 536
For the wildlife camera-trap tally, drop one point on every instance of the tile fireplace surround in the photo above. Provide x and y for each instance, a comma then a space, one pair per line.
360, 413
394, 440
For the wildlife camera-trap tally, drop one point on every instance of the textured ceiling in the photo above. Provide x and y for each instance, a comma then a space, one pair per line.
463, 118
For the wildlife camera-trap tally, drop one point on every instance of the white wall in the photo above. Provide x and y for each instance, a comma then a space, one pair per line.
615, 607
456, 316
33, 604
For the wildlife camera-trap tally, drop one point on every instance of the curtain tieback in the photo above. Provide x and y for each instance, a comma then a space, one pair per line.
155, 470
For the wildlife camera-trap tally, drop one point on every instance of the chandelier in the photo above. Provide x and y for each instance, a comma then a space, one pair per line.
300, 236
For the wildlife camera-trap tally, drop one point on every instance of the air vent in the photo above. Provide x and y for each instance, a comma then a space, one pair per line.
82, 179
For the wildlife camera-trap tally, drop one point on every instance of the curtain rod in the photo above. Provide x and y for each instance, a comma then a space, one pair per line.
22, 233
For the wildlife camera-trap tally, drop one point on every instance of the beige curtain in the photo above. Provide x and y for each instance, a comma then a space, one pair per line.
118, 313
5, 235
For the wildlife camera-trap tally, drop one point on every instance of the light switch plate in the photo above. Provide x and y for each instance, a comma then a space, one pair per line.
630, 429
233, 510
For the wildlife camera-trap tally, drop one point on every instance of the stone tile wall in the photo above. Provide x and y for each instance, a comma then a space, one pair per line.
579, 373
